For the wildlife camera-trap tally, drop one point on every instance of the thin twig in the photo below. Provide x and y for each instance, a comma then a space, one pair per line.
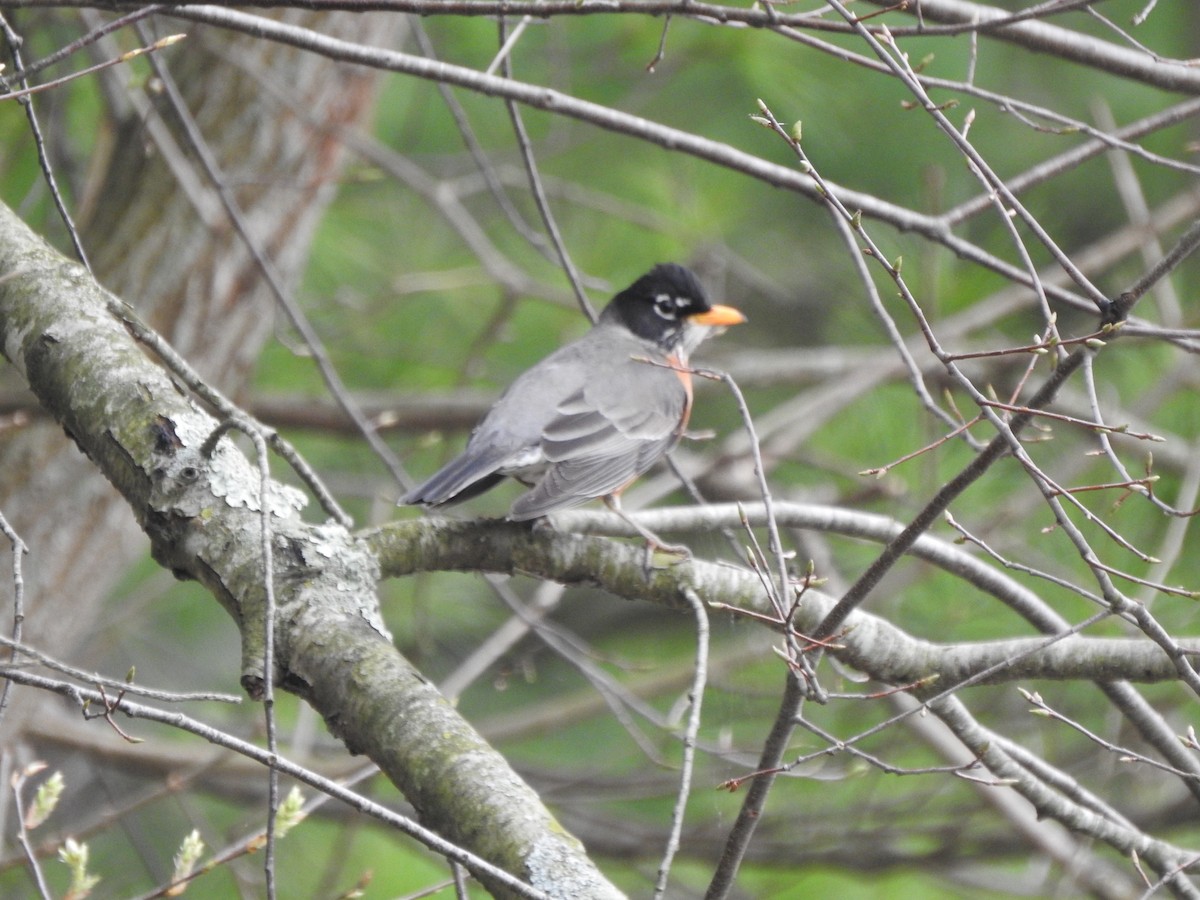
610, 119
16, 783
267, 688
268, 613
18, 581
98, 680
539, 193
937, 505
699, 679
895, 338
25, 92
272, 278
86, 41
14, 48
1005, 199
661, 52
750, 814
1183, 248
482, 163
334, 789
1041, 707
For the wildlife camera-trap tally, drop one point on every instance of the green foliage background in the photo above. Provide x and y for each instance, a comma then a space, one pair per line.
407, 311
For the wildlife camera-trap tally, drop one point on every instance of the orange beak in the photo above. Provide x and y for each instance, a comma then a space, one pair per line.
719, 315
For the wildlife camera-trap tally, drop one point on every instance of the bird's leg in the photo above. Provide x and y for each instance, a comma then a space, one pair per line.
653, 541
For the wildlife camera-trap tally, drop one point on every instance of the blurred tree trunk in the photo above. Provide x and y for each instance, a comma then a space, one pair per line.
159, 237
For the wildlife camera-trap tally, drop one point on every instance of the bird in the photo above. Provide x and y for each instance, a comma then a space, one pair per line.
592, 416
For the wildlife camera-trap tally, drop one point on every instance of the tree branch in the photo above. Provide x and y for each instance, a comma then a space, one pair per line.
614, 120
868, 643
202, 517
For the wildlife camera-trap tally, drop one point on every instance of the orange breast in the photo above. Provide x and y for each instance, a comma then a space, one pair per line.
679, 366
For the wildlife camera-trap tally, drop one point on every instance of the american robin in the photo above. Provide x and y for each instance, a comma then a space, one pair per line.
594, 415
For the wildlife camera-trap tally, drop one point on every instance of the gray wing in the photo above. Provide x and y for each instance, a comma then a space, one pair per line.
605, 434
509, 434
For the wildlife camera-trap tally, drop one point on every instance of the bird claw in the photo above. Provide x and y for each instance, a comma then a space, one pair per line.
683, 554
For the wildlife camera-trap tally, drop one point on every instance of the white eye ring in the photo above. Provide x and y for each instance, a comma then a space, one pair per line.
666, 305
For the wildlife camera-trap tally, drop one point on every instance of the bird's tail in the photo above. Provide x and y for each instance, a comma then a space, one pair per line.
458, 480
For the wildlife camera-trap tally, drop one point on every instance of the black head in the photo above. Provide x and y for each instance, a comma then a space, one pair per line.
657, 305
668, 306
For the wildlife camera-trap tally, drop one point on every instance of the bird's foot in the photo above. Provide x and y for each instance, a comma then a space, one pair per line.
653, 541
541, 523
654, 546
